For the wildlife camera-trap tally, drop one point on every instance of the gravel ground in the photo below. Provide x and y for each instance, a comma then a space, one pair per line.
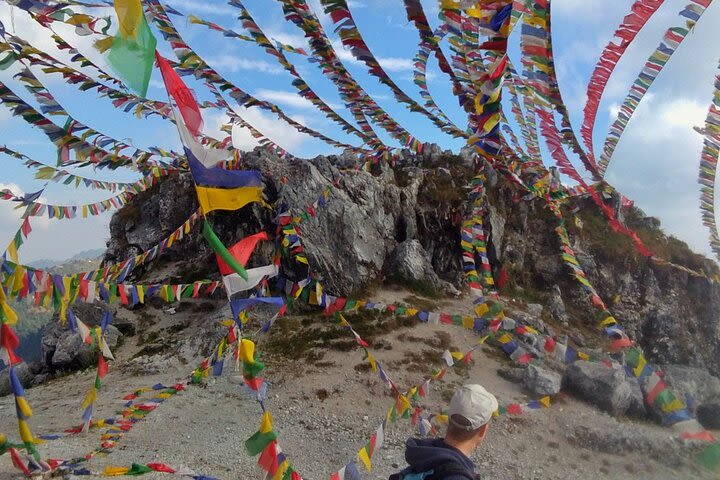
325, 406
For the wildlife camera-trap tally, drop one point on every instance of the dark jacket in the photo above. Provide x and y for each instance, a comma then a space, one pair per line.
423, 454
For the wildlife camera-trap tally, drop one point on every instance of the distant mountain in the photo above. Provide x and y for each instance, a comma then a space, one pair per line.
83, 257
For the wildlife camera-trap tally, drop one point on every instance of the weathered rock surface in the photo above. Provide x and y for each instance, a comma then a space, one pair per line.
64, 350
700, 389
369, 219
541, 381
22, 370
409, 262
595, 383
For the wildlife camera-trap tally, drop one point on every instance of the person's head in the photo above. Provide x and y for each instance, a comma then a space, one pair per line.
471, 409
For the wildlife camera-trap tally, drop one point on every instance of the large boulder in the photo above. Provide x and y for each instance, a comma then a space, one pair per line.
22, 370
708, 415
64, 350
607, 388
410, 263
541, 381
700, 390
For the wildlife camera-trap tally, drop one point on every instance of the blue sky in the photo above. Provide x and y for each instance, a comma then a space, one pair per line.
655, 163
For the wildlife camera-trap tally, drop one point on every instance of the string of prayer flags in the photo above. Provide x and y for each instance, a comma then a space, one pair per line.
102, 368
132, 49
640, 13
217, 188
708, 167
672, 39
262, 438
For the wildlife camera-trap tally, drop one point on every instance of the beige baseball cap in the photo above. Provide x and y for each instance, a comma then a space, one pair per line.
474, 404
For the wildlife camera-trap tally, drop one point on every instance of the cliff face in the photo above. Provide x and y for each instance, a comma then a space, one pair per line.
402, 225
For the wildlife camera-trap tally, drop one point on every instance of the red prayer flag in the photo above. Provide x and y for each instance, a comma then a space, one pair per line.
268, 460
18, 462
102, 366
8, 339
182, 95
161, 467
241, 251
514, 409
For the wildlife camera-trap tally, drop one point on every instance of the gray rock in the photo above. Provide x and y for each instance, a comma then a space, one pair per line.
709, 415
541, 381
556, 306
698, 383
535, 310
22, 370
511, 374
64, 350
410, 262
604, 387
497, 227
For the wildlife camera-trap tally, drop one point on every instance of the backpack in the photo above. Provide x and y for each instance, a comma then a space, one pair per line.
440, 472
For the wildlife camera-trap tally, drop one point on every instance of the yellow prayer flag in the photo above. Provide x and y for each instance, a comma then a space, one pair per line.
545, 402
608, 321
266, 423
482, 309
12, 251
468, 322
90, 398
363, 456
227, 198
247, 351
673, 406
403, 404
637, 371
583, 356
111, 471
505, 338
371, 361
281, 471
24, 430
24, 407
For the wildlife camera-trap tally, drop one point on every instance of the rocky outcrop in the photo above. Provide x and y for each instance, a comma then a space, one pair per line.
24, 374
699, 389
410, 263
376, 225
64, 350
607, 388
541, 381
349, 241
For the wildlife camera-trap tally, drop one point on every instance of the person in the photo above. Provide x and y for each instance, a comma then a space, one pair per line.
469, 414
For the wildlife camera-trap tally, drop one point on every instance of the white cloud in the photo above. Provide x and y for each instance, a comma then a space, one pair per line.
292, 39
232, 63
267, 123
291, 99
656, 164
194, 6
394, 64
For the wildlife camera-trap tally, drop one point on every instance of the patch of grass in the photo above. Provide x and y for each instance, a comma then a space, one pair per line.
421, 288
150, 350
421, 303
204, 307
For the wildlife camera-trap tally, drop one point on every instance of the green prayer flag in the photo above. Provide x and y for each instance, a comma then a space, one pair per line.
137, 469
258, 441
132, 50
222, 251
710, 457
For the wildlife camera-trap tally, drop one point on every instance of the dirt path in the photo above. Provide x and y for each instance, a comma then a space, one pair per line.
326, 405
